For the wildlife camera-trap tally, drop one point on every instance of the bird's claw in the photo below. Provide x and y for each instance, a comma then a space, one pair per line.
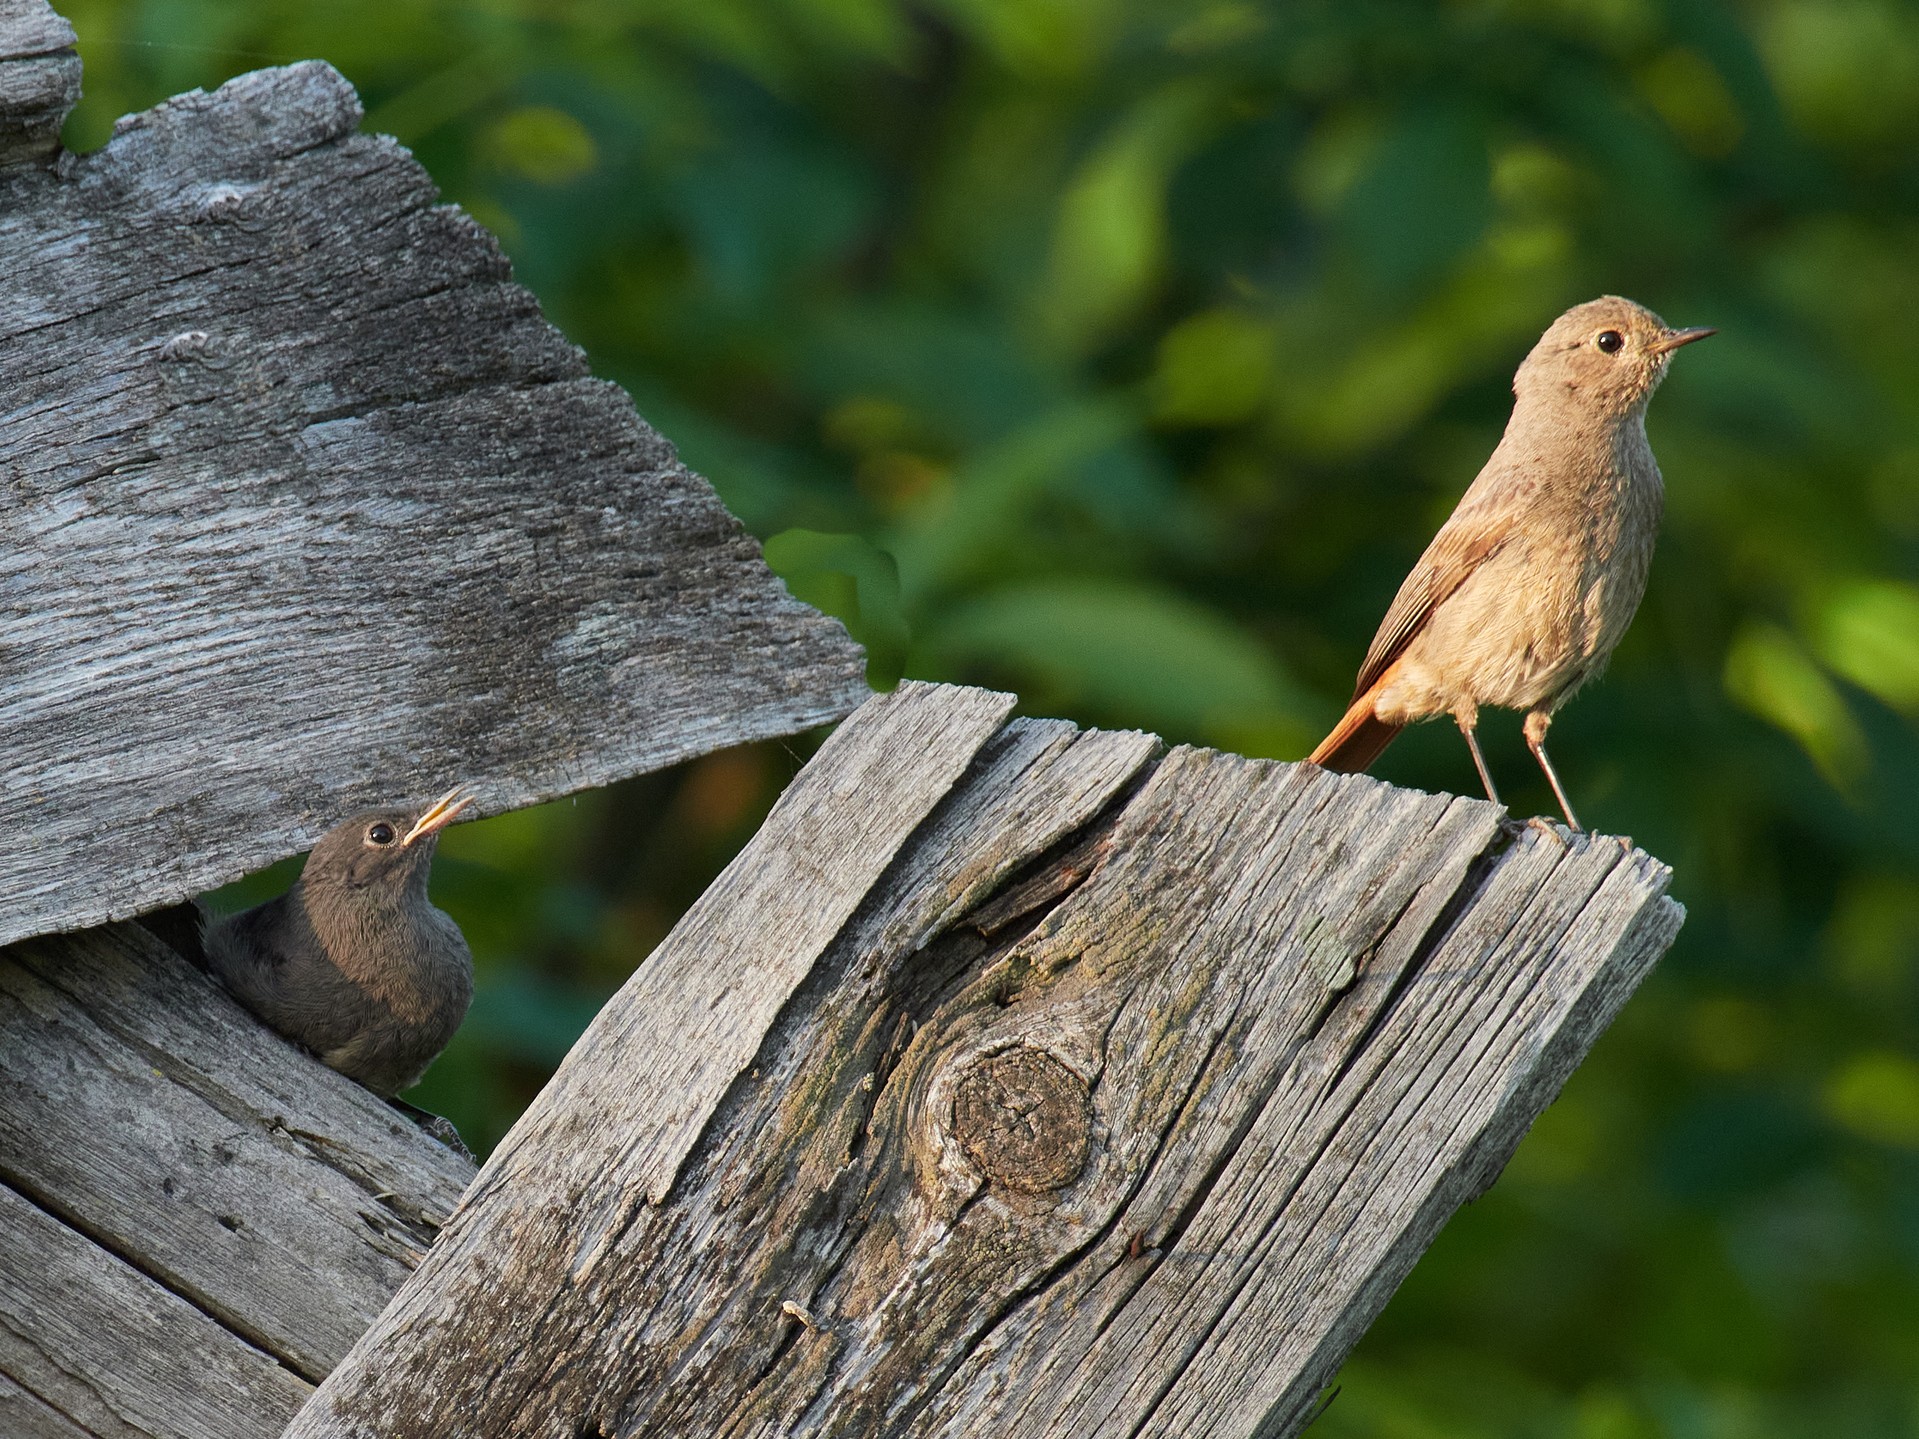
1549, 829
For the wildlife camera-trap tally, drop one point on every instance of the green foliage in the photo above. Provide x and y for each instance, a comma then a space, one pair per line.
1130, 652
1126, 352
848, 576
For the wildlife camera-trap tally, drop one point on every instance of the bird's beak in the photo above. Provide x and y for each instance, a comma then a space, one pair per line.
1673, 339
447, 808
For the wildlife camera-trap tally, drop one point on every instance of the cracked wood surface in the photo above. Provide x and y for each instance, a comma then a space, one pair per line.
308, 509
1073, 1087
198, 1218
39, 80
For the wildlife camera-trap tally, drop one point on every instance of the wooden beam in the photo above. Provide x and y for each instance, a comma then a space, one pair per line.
1072, 1088
308, 509
39, 80
196, 1218
101, 1348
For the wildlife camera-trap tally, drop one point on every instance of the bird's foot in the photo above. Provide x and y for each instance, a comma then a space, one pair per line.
434, 1126
1551, 830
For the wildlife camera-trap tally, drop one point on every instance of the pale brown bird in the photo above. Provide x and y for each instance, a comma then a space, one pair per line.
1529, 585
354, 961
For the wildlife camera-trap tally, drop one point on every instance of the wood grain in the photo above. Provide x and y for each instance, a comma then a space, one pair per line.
1118, 1104
39, 80
784, 897
23, 1416
227, 1214
307, 508
89, 1337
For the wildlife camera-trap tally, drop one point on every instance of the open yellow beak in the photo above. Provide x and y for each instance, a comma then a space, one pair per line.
444, 810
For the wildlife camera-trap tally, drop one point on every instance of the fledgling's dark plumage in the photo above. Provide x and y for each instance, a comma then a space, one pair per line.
354, 961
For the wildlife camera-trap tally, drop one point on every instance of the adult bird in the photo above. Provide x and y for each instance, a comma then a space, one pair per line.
1527, 588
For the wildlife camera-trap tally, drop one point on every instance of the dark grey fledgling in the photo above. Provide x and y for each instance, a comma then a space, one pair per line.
354, 961
1527, 588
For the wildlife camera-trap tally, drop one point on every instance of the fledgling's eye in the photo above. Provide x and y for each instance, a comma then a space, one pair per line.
1610, 341
380, 833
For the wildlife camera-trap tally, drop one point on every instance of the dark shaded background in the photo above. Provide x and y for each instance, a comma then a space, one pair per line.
1125, 354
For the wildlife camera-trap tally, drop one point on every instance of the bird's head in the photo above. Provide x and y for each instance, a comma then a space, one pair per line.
388, 848
1606, 356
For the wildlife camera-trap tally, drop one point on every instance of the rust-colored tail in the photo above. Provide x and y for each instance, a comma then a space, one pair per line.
1356, 740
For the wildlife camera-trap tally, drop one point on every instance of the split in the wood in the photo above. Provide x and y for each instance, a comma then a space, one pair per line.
1118, 1098
221, 1253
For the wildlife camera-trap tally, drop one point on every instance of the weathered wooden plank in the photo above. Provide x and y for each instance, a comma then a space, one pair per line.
39, 80
31, 28
307, 508
157, 1002
1166, 994
1117, 1105
117, 1355
783, 898
144, 1108
1346, 1174
25, 1416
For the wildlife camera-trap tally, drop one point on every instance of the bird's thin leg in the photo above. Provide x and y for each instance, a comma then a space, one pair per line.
1467, 719
1536, 724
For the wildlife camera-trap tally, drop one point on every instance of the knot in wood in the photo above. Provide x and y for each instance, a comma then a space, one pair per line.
1025, 1119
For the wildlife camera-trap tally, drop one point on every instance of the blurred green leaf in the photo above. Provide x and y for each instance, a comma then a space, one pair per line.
1345, 390
1040, 39
1872, 941
543, 144
1423, 197
447, 95
857, 583
530, 1018
1870, 634
759, 216
965, 528
1214, 369
1848, 69
1219, 26
1770, 675
1110, 239
1122, 648
1876, 1096
1690, 96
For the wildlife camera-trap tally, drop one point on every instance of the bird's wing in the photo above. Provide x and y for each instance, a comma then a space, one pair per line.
1463, 544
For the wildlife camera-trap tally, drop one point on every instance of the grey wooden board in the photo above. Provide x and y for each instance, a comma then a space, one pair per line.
117, 1355
23, 1416
1118, 1105
307, 508
206, 1160
39, 80
30, 29
785, 896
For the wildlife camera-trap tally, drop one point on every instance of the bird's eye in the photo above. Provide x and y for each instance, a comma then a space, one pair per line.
381, 833
1610, 341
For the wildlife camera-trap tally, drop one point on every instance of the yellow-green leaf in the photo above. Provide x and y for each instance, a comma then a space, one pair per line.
1769, 674
1876, 1096
1869, 632
539, 142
